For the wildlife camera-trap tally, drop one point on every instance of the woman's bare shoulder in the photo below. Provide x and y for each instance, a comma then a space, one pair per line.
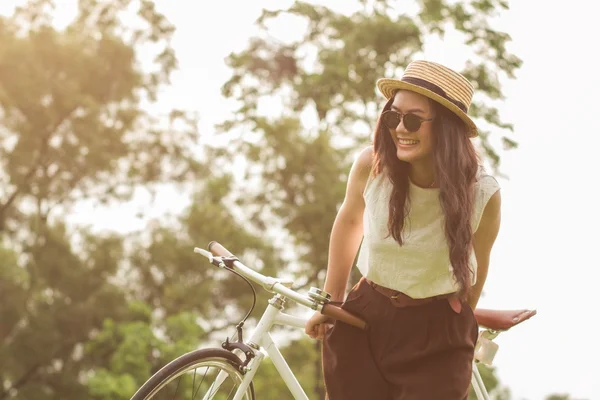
359, 175
364, 162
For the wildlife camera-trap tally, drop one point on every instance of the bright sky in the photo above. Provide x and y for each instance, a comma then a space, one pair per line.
546, 255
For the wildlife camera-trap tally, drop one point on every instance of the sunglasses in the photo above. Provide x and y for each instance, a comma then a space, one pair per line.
412, 123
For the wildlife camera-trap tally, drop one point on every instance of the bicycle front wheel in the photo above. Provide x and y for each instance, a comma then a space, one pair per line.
202, 374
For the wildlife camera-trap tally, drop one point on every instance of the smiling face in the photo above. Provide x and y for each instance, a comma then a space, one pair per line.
417, 146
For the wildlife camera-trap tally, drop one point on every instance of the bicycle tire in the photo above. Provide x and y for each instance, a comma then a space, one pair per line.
185, 363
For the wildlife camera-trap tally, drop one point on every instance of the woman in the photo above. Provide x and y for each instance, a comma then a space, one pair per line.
428, 217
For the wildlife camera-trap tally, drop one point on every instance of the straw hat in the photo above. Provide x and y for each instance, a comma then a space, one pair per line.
439, 83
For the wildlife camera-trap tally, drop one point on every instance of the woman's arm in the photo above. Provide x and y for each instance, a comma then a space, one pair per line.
347, 230
483, 241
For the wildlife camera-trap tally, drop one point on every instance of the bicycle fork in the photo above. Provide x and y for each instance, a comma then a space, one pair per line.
261, 344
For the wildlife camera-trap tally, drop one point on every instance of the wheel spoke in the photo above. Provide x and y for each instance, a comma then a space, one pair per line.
194, 382
199, 386
231, 392
177, 387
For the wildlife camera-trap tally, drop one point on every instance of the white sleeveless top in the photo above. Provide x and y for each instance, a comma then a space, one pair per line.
421, 266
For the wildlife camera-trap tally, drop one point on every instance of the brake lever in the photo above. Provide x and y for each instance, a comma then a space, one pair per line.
221, 262
216, 261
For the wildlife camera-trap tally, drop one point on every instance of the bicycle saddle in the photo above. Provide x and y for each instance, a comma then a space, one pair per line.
501, 320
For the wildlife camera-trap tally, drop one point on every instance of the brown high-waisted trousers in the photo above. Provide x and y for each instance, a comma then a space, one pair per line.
422, 352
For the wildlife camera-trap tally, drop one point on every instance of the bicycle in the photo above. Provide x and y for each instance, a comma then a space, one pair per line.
237, 362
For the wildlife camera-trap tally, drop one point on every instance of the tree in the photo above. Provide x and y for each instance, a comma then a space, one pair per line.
175, 293
559, 397
74, 129
81, 311
299, 151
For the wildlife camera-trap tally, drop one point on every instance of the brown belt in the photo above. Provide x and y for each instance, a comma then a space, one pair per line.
400, 299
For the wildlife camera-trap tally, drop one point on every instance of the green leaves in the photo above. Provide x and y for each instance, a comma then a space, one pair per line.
75, 129
55, 298
71, 103
107, 385
559, 397
352, 53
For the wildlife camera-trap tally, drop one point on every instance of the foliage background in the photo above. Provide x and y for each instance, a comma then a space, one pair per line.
86, 125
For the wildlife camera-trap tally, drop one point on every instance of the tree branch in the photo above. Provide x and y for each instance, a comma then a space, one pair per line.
27, 376
35, 165
20, 382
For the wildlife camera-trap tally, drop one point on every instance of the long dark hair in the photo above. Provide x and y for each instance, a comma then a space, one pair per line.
456, 165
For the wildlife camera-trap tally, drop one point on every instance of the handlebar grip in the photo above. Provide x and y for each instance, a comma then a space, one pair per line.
218, 250
338, 313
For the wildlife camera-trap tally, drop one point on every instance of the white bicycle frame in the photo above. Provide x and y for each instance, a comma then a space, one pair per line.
262, 342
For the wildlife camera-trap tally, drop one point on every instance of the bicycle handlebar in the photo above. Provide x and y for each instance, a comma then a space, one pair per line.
217, 249
272, 284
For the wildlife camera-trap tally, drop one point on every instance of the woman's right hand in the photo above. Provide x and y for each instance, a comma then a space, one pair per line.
317, 325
